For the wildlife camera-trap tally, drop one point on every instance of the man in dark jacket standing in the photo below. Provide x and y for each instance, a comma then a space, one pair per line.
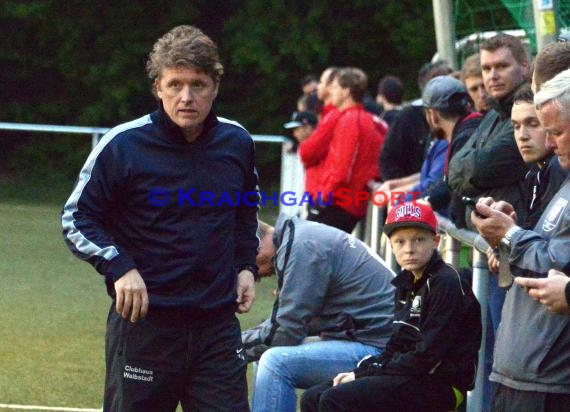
430, 360
158, 210
490, 164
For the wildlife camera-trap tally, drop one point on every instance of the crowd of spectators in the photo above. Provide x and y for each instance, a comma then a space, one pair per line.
486, 137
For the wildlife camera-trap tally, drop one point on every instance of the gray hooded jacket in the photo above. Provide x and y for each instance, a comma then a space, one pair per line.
330, 284
532, 350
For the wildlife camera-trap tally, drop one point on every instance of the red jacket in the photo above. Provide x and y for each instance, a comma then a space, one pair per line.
352, 159
313, 151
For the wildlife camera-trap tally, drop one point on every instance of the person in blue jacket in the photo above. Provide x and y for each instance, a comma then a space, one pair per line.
165, 208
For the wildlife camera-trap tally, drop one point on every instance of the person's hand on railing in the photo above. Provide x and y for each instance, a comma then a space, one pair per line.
373, 185
423, 201
492, 261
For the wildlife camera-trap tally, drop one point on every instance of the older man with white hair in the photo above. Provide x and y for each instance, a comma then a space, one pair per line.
534, 376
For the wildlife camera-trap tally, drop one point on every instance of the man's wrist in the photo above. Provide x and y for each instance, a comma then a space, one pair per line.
506, 240
567, 293
251, 268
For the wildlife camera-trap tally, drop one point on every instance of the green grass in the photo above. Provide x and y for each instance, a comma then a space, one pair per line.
53, 309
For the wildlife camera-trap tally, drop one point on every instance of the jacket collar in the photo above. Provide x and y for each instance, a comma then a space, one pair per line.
465, 122
173, 132
504, 106
405, 280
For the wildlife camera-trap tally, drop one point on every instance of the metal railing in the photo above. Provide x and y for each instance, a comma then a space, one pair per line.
292, 175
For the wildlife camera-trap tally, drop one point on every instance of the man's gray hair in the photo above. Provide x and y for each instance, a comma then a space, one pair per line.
557, 91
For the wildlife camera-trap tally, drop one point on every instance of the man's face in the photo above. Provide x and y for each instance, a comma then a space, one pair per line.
433, 122
264, 258
338, 94
187, 96
413, 247
501, 72
477, 92
323, 86
529, 134
557, 128
310, 87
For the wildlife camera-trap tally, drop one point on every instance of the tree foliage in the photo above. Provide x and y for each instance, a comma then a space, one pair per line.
82, 62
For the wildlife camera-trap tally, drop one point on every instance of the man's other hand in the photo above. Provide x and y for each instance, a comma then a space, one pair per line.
245, 291
131, 296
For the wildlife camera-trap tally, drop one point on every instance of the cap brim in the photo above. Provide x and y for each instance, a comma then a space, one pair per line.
390, 227
292, 125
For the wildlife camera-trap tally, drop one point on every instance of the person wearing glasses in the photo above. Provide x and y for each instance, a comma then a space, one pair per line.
156, 211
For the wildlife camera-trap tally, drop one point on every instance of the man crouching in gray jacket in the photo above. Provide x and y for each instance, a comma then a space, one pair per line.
330, 285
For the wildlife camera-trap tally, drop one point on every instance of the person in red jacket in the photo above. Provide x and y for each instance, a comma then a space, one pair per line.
314, 149
351, 157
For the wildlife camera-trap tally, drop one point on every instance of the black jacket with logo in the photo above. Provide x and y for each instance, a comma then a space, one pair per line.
437, 328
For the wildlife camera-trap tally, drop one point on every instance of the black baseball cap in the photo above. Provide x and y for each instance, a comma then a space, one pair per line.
445, 93
301, 119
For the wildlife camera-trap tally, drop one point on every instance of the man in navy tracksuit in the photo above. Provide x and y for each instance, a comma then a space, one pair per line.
165, 208
431, 358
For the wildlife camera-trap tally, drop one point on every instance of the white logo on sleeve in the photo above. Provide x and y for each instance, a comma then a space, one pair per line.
554, 214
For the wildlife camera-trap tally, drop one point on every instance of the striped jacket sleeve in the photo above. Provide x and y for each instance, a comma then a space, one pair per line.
85, 214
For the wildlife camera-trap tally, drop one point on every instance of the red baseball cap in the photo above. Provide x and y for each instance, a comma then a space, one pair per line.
410, 214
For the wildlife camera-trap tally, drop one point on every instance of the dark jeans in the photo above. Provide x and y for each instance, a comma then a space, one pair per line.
386, 393
511, 400
168, 358
333, 216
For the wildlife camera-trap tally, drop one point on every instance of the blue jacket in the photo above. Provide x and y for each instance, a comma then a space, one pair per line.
176, 211
432, 169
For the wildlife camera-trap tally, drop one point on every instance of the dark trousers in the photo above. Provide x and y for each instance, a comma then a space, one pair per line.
386, 393
170, 358
333, 216
511, 400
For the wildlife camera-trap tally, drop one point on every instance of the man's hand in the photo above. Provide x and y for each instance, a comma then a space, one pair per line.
423, 201
492, 261
343, 377
131, 296
494, 224
245, 291
548, 291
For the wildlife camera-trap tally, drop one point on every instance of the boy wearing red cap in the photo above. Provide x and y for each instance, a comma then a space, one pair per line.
430, 360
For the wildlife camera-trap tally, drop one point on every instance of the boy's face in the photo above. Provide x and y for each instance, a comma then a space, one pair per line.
529, 134
413, 248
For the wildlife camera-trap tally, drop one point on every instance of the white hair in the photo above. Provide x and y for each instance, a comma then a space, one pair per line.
557, 91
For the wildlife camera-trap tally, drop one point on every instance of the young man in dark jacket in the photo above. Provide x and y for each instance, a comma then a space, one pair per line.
430, 360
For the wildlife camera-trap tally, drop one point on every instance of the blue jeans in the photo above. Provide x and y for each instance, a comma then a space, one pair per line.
281, 369
496, 298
